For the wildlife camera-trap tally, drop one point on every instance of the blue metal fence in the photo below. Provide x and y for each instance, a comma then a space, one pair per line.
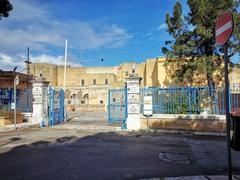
23, 99
56, 106
117, 106
191, 100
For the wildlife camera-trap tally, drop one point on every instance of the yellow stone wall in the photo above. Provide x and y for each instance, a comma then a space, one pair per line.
74, 77
49, 71
154, 73
234, 76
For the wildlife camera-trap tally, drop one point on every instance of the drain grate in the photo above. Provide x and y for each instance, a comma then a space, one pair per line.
176, 158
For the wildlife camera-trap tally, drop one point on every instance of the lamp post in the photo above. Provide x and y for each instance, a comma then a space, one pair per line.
28, 73
16, 82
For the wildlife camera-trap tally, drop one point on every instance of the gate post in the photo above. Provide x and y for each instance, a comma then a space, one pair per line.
133, 103
40, 102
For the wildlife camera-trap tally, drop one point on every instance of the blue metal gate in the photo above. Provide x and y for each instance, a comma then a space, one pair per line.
117, 106
56, 106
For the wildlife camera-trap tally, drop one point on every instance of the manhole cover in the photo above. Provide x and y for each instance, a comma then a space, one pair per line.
177, 158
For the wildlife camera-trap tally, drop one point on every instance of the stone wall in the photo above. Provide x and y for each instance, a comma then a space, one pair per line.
48, 71
234, 76
87, 108
6, 118
185, 122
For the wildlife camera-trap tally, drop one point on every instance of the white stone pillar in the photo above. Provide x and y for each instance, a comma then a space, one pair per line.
40, 102
133, 102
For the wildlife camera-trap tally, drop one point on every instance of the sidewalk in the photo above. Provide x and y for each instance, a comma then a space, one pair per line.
19, 126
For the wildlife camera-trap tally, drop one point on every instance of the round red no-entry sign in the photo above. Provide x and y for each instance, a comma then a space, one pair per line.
224, 28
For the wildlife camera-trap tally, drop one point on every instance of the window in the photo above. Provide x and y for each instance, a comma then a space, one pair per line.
94, 81
114, 99
101, 101
106, 81
82, 82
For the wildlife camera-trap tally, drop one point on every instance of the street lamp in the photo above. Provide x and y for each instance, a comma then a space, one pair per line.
28, 73
16, 82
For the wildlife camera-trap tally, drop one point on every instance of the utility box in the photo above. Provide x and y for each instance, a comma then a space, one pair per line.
235, 142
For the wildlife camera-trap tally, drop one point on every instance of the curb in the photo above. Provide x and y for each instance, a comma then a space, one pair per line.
185, 132
20, 126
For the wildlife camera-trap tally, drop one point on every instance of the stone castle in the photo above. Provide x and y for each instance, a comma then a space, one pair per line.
89, 85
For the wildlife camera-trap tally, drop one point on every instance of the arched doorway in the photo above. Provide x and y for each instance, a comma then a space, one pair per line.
85, 99
79, 97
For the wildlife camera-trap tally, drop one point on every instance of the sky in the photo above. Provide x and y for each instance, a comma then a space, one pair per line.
114, 30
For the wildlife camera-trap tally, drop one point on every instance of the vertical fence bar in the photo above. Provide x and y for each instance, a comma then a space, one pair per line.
124, 126
61, 105
109, 103
10, 95
189, 98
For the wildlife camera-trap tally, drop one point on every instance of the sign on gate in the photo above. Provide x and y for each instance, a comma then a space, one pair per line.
147, 105
133, 98
132, 88
133, 108
13, 106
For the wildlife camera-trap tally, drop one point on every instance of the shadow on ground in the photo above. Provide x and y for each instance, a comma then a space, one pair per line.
106, 156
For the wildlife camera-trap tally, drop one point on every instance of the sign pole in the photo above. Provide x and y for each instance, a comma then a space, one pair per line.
224, 29
15, 111
229, 158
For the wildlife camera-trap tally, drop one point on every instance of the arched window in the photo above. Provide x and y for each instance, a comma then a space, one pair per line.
73, 99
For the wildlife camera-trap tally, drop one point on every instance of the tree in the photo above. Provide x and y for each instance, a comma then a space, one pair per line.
193, 38
5, 7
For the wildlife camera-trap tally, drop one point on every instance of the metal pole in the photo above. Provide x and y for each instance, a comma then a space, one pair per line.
65, 71
15, 112
28, 72
65, 59
229, 159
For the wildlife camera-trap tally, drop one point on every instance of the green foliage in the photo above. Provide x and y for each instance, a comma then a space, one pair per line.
5, 7
180, 102
193, 36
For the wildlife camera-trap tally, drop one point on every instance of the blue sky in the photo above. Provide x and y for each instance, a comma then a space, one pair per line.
115, 30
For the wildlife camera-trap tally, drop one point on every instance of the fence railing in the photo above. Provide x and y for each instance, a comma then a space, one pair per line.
191, 100
23, 99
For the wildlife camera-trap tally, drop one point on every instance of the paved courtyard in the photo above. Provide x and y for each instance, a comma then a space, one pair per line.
86, 147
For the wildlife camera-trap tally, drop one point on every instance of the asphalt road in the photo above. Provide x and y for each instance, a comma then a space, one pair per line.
86, 147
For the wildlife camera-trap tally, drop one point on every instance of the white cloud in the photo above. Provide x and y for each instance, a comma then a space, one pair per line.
9, 62
5, 59
31, 24
162, 27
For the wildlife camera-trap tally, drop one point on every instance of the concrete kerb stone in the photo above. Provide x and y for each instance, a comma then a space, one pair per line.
185, 132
